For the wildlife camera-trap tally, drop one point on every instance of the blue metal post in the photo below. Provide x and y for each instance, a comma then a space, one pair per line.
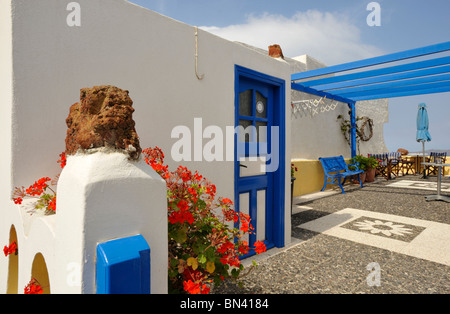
353, 127
123, 266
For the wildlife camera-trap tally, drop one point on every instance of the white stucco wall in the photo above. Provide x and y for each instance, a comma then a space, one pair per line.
124, 45
320, 135
378, 111
6, 96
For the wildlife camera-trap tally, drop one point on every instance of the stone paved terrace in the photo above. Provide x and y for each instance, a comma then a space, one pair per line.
340, 240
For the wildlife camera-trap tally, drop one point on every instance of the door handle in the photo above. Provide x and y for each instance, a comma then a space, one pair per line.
244, 166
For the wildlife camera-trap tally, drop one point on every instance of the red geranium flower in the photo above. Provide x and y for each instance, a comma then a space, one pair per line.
195, 288
230, 260
260, 247
191, 287
33, 287
38, 187
11, 249
62, 160
18, 200
52, 204
183, 205
224, 247
243, 248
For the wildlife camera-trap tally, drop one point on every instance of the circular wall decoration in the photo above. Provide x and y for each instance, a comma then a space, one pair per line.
260, 107
362, 130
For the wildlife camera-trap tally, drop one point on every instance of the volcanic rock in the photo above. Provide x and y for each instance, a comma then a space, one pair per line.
275, 51
102, 118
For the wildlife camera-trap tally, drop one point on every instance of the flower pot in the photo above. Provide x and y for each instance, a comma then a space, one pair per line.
362, 177
370, 175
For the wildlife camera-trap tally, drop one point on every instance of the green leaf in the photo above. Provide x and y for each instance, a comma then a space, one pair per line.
210, 267
210, 254
217, 281
179, 235
198, 247
173, 262
172, 273
201, 204
193, 262
202, 259
235, 272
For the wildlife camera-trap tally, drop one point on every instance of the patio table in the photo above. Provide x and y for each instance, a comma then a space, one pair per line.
437, 197
418, 161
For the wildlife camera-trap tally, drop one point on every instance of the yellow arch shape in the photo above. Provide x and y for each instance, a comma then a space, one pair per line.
13, 265
40, 273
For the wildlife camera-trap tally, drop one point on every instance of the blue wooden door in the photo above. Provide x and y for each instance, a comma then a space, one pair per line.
255, 136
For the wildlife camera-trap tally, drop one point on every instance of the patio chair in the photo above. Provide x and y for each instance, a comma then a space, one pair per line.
382, 168
407, 165
395, 159
436, 158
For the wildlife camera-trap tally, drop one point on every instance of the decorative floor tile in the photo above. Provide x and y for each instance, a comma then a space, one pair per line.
385, 228
414, 237
420, 185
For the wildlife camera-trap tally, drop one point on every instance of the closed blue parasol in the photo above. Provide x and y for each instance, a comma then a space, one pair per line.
422, 129
422, 124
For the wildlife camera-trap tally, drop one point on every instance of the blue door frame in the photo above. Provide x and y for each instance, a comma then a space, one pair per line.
275, 181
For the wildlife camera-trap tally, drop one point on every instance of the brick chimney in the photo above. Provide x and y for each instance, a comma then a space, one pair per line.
275, 51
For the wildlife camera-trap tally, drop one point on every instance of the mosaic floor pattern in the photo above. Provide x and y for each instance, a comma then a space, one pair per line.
388, 229
421, 185
414, 237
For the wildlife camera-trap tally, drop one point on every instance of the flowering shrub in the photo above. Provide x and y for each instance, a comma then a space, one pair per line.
366, 163
11, 249
203, 248
39, 189
373, 162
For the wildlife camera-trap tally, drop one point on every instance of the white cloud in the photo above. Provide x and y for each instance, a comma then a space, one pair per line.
328, 37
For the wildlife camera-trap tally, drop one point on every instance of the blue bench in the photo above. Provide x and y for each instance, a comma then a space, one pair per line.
335, 168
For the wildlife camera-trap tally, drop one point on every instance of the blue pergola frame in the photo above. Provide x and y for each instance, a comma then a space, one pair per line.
409, 79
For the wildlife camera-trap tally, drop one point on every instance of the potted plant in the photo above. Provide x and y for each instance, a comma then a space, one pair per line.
363, 165
372, 164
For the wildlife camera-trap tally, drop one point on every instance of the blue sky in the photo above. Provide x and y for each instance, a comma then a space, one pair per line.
334, 32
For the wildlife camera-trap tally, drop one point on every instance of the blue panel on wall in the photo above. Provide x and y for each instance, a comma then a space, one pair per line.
123, 266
